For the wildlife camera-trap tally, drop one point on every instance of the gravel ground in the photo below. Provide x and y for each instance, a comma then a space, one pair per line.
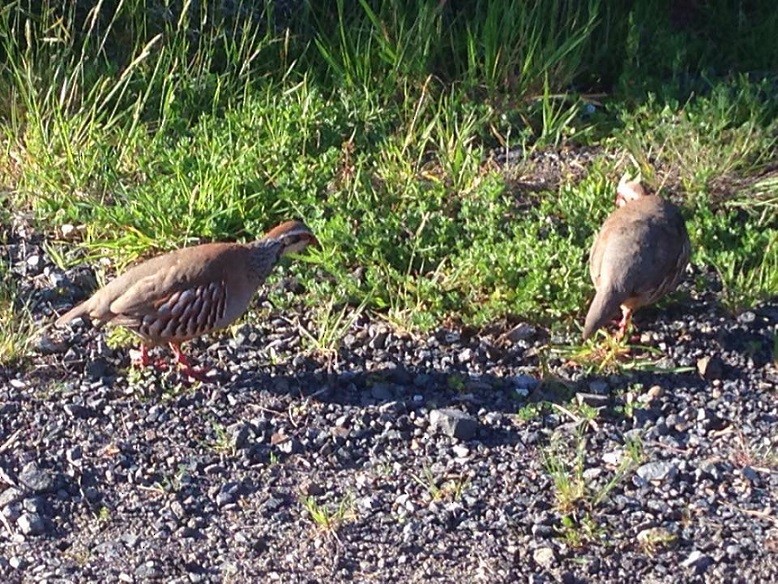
409, 449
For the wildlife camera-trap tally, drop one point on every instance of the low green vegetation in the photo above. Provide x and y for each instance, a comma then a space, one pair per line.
329, 517
436, 488
578, 495
454, 159
17, 331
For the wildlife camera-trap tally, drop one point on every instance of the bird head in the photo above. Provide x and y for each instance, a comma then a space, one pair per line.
629, 189
294, 236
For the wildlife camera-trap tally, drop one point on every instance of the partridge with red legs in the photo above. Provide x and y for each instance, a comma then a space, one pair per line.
638, 256
191, 291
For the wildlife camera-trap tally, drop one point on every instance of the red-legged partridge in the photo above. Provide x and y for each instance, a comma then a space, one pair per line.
638, 256
190, 292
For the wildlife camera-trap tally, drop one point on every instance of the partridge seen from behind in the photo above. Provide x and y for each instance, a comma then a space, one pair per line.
191, 291
638, 256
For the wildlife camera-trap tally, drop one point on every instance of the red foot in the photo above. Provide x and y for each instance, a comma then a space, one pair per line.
140, 358
186, 366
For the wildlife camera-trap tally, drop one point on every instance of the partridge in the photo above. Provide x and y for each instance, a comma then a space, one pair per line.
638, 256
191, 291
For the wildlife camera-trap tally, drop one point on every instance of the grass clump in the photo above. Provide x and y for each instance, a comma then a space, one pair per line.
446, 488
655, 539
329, 518
19, 331
577, 496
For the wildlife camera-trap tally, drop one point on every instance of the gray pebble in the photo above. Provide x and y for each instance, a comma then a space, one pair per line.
31, 524
454, 423
36, 479
657, 471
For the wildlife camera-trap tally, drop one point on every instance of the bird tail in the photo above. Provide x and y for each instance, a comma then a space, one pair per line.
604, 306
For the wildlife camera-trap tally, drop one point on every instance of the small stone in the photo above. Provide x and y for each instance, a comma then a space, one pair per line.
645, 416
544, 557
613, 458
465, 355
747, 317
697, 560
239, 434
146, 571
368, 503
97, 368
655, 391
35, 479
31, 524
67, 230
312, 489
710, 368
272, 505
454, 423
749, 474
34, 505
223, 499
379, 341
290, 446
461, 451
77, 411
771, 541
733, 550
9, 495
542, 531
657, 471
16, 562
228, 493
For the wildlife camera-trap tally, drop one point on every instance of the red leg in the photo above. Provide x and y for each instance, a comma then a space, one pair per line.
185, 365
626, 320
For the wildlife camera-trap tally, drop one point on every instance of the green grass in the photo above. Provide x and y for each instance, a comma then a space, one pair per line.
377, 125
329, 517
577, 498
448, 488
18, 332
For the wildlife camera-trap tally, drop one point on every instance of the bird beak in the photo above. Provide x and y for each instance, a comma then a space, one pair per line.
297, 242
